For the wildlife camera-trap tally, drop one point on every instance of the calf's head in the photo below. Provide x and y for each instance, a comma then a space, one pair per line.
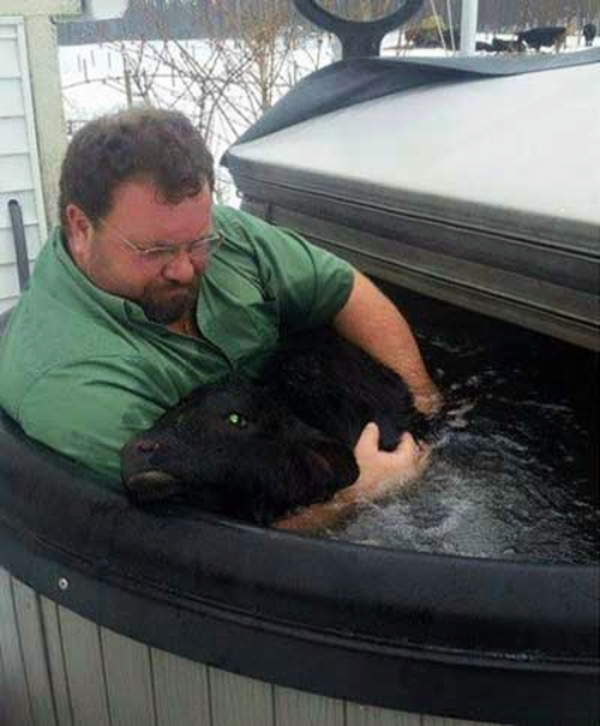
233, 448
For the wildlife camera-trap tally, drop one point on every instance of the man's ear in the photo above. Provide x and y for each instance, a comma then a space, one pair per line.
79, 233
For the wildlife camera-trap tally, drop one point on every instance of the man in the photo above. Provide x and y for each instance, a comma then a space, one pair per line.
147, 290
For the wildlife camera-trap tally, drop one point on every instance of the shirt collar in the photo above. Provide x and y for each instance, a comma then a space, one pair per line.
124, 310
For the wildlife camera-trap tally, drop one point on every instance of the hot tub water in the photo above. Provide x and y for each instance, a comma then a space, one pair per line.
514, 473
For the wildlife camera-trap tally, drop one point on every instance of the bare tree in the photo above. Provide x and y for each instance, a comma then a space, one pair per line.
254, 52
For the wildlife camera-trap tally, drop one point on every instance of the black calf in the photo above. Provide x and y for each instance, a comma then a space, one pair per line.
254, 451
545, 37
589, 33
499, 45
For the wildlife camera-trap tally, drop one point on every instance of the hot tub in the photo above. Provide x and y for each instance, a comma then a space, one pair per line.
111, 614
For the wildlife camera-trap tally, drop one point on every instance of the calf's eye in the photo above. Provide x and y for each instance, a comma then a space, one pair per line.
236, 419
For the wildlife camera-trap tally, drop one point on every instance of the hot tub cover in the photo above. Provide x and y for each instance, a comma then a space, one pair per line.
473, 180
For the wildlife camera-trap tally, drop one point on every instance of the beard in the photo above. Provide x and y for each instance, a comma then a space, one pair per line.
168, 305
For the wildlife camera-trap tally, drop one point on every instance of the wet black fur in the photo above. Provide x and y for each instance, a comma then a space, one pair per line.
293, 442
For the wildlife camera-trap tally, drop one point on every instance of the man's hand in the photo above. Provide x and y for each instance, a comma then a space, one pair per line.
428, 403
384, 472
381, 473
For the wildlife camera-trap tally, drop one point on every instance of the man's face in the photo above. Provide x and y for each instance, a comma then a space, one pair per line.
166, 289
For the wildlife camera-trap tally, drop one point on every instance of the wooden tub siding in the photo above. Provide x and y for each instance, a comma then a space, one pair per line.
131, 693
295, 708
358, 715
59, 669
88, 693
239, 700
33, 645
181, 690
14, 699
56, 662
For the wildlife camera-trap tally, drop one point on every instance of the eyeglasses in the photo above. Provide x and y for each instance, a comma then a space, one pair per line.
198, 250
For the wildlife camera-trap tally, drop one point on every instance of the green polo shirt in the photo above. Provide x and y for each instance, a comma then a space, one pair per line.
83, 370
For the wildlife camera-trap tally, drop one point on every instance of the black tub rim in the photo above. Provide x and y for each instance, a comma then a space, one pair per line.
265, 603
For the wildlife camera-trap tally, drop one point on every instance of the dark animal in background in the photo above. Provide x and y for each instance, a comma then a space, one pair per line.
480, 45
589, 33
513, 45
546, 37
257, 450
430, 37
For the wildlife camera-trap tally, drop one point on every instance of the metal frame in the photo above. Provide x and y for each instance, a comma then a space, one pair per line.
358, 38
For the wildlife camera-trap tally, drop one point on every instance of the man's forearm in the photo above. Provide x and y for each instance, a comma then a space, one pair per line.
373, 323
322, 514
382, 473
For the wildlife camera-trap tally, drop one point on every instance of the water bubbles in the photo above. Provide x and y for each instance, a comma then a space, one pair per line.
509, 478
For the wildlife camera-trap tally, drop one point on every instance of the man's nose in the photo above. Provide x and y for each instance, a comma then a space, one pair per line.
181, 269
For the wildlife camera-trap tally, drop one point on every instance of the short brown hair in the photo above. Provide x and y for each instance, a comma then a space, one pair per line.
154, 145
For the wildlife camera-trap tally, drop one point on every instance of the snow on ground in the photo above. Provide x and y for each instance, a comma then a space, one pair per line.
217, 87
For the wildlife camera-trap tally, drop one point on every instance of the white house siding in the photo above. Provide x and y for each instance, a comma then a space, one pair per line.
19, 164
